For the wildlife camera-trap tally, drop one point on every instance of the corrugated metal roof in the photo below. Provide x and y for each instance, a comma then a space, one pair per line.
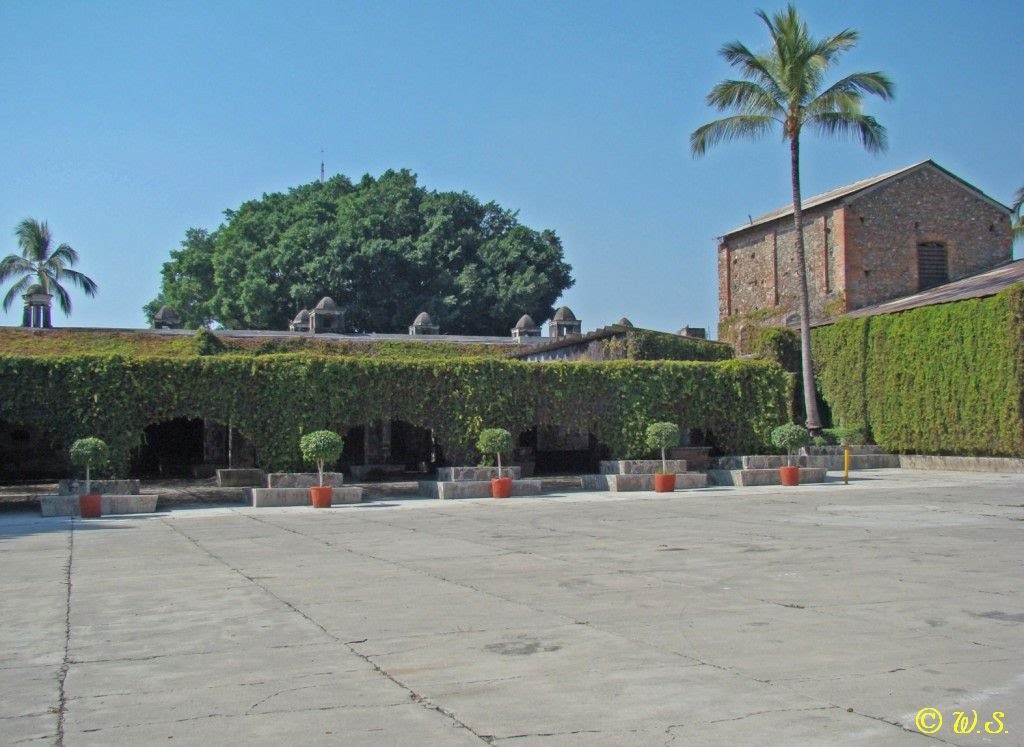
977, 286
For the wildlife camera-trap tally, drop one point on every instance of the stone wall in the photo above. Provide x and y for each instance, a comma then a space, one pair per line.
885, 226
858, 252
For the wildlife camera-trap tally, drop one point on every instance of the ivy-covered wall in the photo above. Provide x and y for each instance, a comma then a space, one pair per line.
946, 379
272, 399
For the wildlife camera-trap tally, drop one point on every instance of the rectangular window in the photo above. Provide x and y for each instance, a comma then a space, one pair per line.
932, 265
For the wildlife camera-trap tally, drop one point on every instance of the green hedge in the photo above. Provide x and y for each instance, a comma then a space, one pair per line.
946, 379
272, 399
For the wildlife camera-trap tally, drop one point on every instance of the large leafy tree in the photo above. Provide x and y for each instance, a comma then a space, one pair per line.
385, 249
42, 263
784, 87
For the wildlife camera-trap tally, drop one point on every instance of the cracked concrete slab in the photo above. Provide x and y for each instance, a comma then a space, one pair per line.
823, 614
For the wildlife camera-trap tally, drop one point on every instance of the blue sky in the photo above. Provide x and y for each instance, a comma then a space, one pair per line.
125, 123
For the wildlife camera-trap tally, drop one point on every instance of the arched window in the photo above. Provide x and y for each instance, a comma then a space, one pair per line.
932, 265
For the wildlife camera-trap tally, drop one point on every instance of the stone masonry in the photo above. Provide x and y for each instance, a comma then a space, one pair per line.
861, 245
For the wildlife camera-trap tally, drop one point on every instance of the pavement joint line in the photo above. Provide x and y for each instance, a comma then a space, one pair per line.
65, 666
413, 695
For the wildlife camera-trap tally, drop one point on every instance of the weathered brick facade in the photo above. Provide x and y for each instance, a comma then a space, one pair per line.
876, 240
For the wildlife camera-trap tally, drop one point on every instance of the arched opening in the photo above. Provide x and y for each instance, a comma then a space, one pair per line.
28, 452
189, 447
391, 449
559, 450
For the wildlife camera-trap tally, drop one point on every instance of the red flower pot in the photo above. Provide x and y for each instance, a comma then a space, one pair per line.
501, 487
90, 506
321, 496
664, 483
789, 475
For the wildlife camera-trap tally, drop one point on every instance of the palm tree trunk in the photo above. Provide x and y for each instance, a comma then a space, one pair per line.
807, 365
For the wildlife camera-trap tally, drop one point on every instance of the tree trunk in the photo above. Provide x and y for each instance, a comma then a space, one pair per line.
807, 365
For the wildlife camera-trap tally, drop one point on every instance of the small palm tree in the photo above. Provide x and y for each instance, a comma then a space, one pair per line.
40, 263
783, 86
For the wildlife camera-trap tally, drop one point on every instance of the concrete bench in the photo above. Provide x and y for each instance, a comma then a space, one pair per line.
767, 476
444, 490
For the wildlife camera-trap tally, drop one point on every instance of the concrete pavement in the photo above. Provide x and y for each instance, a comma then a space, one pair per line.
823, 614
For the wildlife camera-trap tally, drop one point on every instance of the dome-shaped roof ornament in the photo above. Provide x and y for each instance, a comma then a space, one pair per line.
423, 325
166, 318
624, 322
525, 327
301, 322
564, 323
326, 304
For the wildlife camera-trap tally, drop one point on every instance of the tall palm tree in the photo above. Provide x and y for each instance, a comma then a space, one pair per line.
784, 86
40, 263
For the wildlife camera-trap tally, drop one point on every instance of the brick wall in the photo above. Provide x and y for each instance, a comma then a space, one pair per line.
885, 226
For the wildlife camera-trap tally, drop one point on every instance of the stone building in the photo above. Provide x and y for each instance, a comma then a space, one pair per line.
887, 237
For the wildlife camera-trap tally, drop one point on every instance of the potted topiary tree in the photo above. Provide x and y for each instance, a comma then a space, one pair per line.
663, 436
497, 441
790, 437
320, 448
89, 452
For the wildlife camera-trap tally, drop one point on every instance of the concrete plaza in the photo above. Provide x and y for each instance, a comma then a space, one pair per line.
823, 614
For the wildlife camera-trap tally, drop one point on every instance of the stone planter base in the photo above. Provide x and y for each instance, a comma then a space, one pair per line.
474, 488
111, 505
263, 497
303, 480
632, 483
768, 476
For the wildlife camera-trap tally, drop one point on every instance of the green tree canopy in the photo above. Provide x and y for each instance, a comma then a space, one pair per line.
384, 249
1018, 213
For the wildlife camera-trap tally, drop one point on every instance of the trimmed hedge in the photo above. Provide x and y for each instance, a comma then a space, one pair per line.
271, 400
946, 379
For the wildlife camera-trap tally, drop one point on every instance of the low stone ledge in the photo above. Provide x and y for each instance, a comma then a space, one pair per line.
820, 461
304, 479
696, 457
365, 472
640, 482
113, 487
750, 477
641, 466
475, 474
241, 478
265, 497
444, 490
111, 505
962, 463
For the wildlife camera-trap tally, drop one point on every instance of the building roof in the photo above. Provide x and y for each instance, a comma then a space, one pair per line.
977, 286
525, 322
423, 320
326, 304
564, 314
856, 189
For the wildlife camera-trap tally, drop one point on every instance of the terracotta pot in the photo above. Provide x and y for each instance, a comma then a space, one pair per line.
90, 506
321, 496
789, 475
664, 482
501, 487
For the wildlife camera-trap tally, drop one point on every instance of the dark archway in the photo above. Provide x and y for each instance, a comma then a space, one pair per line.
189, 447
392, 449
28, 452
558, 450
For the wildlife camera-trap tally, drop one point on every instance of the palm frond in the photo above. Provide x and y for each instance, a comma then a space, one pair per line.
63, 297
875, 84
871, 134
85, 283
745, 96
729, 128
1018, 200
12, 264
34, 239
65, 255
16, 290
755, 68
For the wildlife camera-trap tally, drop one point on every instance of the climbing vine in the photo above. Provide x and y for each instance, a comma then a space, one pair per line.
272, 399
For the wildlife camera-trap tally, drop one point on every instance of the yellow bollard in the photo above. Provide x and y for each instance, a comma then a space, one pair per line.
846, 465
